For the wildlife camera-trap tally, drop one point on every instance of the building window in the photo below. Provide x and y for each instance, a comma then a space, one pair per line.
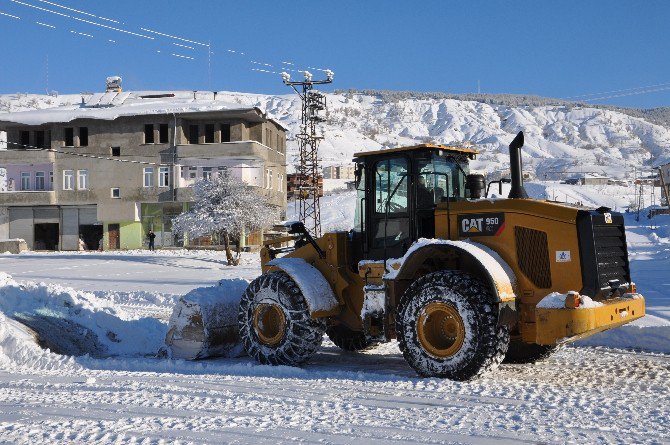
116, 192
280, 183
268, 179
149, 134
51, 180
225, 132
68, 179
193, 134
207, 173
82, 179
192, 172
39, 181
209, 133
25, 181
278, 147
163, 135
69, 137
24, 139
267, 137
83, 136
116, 151
39, 139
148, 176
164, 176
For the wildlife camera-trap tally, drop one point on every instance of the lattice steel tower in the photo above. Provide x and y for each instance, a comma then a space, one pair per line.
308, 166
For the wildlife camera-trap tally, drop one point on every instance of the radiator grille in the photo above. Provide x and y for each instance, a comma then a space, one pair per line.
611, 255
532, 252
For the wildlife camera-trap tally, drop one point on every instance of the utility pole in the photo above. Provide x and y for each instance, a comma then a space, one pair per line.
308, 166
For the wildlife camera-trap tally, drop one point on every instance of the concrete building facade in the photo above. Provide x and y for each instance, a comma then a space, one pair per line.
106, 174
346, 171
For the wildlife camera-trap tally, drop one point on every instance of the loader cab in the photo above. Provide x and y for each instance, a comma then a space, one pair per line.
397, 193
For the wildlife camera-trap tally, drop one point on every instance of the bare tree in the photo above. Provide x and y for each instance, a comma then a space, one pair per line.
228, 207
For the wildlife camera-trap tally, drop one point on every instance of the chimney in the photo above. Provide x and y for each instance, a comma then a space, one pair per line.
516, 168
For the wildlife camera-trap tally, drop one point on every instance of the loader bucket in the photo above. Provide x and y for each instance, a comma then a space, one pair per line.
204, 323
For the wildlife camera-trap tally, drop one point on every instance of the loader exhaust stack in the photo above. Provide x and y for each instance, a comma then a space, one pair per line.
516, 168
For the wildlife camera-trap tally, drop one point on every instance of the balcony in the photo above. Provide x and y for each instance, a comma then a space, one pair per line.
13, 157
241, 151
27, 198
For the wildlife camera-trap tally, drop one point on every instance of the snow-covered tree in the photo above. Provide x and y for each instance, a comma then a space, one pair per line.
228, 207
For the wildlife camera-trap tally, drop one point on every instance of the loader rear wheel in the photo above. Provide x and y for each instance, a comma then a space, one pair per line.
348, 339
275, 323
520, 352
447, 326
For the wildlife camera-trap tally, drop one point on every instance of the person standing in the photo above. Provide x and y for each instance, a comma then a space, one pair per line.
152, 237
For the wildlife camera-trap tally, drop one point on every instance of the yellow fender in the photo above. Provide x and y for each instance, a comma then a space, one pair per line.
315, 288
476, 259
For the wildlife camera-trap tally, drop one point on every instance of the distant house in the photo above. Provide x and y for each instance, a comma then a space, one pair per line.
665, 181
593, 179
293, 184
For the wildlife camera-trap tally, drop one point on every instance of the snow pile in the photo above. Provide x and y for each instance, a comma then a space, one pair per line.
556, 300
77, 323
19, 349
204, 322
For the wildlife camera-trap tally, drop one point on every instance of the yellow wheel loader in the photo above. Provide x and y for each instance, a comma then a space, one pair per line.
462, 282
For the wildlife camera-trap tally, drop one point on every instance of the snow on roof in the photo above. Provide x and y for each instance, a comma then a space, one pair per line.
112, 105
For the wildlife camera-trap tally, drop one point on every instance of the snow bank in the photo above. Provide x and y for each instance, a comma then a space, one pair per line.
77, 323
19, 349
204, 322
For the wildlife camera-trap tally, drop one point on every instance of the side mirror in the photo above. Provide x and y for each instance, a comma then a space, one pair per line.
475, 186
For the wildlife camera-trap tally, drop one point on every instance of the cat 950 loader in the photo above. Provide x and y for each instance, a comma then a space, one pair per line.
462, 282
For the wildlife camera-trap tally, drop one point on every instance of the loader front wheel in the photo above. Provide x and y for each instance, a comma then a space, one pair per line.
275, 323
447, 326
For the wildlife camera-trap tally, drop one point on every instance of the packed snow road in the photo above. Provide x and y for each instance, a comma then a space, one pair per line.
579, 396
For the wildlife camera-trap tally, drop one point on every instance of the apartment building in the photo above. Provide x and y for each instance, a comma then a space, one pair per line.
106, 171
345, 171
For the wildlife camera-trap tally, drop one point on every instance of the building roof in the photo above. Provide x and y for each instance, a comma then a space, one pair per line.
113, 105
461, 150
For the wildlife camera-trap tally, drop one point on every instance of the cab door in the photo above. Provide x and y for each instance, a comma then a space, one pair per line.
389, 207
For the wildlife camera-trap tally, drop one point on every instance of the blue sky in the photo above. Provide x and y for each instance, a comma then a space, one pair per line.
548, 48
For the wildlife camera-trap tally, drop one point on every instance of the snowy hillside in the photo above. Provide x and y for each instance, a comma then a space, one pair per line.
559, 138
568, 138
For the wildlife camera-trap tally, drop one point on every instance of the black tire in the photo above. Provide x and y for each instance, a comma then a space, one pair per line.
300, 335
519, 352
347, 339
482, 344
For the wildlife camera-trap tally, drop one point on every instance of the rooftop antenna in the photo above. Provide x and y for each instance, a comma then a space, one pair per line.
308, 167
209, 65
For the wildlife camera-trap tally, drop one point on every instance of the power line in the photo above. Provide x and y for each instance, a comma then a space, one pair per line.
625, 90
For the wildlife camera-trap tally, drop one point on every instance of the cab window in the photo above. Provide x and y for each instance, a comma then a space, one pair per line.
439, 178
391, 186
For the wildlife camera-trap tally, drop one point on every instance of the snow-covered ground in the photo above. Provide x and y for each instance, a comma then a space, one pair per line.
115, 307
